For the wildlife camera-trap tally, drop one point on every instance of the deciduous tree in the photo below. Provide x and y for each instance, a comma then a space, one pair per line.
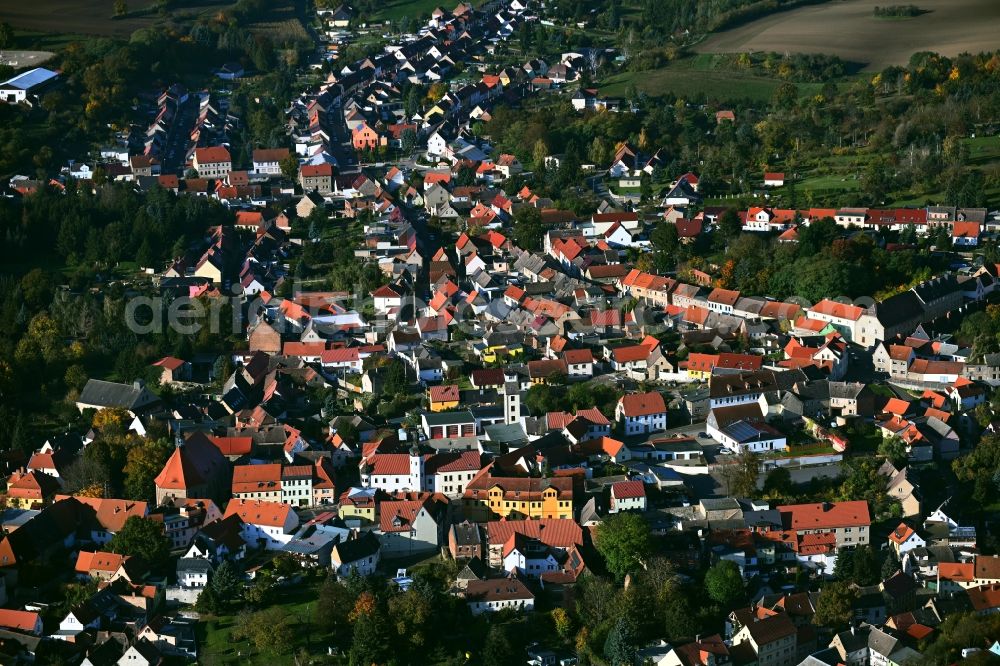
834, 608
724, 583
144, 538
624, 542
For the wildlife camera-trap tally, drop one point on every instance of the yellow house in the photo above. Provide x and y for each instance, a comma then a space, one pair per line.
360, 504
443, 398
497, 353
210, 266
700, 366
490, 498
31, 489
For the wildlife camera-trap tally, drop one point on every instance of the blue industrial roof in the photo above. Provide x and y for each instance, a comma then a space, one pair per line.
31, 78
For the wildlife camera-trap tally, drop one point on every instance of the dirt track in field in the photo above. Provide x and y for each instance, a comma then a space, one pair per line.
848, 29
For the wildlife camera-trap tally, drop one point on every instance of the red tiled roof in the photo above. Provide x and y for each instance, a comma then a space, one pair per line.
212, 155
697, 362
630, 353
827, 515
724, 296
390, 464
628, 489
464, 461
87, 562
959, 572
252, 512
18, 619
896, 406
256, 478
984, 598
556, 532
643, 404
169, 362
446, 393
233, 446
739, 361
111, 513
838, 310
578, 356
487, 377
342, 355
901, 533
398, 516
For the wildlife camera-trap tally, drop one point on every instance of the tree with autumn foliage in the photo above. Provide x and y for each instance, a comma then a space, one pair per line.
111, 421
370, 641
144, 462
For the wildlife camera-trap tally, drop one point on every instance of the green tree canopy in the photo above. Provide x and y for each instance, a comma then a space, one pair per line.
142, 537
529, 232
624, 542
724, 583
834, 608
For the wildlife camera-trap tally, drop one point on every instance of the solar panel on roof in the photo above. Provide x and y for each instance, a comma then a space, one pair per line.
742, 431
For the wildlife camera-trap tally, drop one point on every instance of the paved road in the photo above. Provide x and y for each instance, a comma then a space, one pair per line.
175, 149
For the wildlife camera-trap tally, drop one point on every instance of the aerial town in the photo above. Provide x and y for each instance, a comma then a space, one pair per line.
453, 357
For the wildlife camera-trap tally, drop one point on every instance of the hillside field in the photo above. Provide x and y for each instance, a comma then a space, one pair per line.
81, 17
697, 75
848, 29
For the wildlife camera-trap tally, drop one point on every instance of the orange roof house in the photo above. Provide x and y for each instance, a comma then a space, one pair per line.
196, 468
20, 620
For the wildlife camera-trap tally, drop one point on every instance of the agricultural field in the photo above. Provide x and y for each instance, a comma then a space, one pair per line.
282, 23
850, 30
700, 75
80, 17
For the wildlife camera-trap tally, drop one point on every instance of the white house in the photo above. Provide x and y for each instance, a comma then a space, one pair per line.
525, 556
267, 161
751, 434
628, 496
268, 524
193, 572
393, 472
361, 554
437, 145
491, 595
904, 539
77, 620
642, 413
579, 363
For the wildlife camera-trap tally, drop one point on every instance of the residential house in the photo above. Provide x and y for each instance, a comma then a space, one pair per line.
212, 162
495, 594
269, 525
627, 496
642, 413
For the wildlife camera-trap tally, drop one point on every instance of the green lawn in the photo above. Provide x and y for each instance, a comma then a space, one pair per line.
216, 645
815, 448
393, 10
44, 41
699, 75
983, 149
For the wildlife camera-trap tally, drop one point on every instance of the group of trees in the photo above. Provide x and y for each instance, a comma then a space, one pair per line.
53, 338
543, 398
118, 463
657, 603
821, 265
